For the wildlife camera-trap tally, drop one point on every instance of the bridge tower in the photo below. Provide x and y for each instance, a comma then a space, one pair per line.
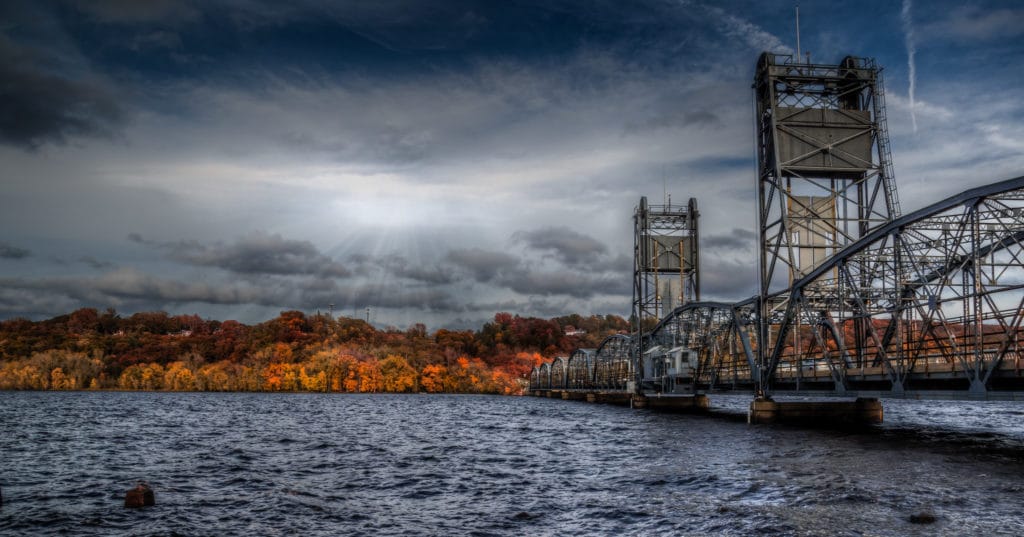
666, 264
824, 178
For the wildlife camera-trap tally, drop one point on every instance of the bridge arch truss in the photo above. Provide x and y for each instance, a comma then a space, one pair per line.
930, 304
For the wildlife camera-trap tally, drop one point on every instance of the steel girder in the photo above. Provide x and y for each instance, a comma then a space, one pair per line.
581, 368
559, 373
613, 368
932, 302
544, 376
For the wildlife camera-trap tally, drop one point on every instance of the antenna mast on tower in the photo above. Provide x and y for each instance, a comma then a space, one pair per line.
798, 32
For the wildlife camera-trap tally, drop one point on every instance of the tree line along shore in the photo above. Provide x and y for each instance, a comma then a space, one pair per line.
90, 349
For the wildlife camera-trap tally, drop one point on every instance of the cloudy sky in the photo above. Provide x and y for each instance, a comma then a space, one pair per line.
435, 161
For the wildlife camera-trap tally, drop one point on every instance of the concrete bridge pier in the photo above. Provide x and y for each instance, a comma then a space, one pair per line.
609, 398
863, 411
672, 403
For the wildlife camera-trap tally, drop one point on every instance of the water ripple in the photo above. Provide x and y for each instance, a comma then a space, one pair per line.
285, 464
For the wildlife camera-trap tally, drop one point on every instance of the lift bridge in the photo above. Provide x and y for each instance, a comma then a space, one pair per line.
854, 299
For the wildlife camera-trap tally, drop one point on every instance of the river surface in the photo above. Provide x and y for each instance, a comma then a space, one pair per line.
325, 464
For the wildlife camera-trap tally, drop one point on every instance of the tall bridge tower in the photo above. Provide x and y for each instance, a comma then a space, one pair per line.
666, 263
824, 175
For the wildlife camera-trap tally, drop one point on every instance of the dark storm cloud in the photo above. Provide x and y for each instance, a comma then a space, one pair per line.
975, 23
132, 289
621, 264
543, 307
31, 303
569, 283
9, 251
39, 106
400, 267
716, 164
572, 248
393, 296
237, 40
257, 253
588, 273
427, 273
136, 11
727, 280
675, 108
672, 119
94, 263
737, 239
485, 265
133, 286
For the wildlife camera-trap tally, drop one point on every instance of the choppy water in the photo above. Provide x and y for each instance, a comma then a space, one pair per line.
307, 464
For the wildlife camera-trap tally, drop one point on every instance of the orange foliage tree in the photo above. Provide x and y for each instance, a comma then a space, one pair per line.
294, 352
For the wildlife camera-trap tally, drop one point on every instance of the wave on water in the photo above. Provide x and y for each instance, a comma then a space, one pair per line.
330, 464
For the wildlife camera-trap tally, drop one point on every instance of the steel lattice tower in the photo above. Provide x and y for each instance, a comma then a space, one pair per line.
824, 174
666, 263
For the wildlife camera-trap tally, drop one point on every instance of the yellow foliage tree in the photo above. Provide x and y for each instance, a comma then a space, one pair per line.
131, 378
60, 381
179, 377
30, 377
152, 376
214, 377
397, 376
316, 382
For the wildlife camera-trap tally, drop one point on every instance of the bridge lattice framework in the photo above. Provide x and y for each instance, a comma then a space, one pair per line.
929, 305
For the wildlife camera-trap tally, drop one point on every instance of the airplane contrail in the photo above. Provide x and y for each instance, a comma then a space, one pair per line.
908, 32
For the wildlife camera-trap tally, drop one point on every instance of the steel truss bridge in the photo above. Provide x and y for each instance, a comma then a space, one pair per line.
854, 298
929, 304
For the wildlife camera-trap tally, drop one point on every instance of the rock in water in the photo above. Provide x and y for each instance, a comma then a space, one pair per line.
140, 496
924, 517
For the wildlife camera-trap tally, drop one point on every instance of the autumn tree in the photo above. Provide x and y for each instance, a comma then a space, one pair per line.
434, 378
87, 349
397, 376
369, 375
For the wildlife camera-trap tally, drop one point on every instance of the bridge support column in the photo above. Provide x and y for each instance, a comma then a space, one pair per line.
826, 413
610, 398
672, 403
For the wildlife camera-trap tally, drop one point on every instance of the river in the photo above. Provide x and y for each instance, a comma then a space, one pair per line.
332, 464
